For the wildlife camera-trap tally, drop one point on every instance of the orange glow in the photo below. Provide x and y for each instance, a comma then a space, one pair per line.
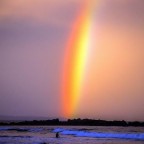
75, 60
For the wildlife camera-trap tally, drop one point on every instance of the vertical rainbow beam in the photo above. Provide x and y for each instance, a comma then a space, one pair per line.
76, 55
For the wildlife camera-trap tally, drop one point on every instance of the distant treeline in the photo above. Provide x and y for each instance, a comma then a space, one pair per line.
75, 122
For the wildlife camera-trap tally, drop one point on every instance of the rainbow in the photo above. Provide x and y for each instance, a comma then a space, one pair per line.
75, 59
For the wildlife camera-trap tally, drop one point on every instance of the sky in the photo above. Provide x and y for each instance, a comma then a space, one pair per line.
33, 40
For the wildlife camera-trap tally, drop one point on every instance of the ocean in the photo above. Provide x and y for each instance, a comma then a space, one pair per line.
71, 135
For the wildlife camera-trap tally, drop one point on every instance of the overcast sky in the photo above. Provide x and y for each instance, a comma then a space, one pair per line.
33, 37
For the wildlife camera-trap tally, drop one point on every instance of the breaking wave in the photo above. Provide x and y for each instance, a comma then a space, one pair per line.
81, 133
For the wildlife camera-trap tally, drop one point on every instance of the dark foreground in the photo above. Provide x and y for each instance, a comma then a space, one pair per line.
71, 135
75, 122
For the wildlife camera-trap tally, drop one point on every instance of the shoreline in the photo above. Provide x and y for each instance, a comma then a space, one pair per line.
73, 122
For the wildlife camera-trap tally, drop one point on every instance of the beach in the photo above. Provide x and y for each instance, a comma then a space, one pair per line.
71, 135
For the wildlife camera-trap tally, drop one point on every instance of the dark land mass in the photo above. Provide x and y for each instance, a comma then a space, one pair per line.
74, 122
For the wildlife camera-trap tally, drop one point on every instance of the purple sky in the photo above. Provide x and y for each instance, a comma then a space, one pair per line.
33, 36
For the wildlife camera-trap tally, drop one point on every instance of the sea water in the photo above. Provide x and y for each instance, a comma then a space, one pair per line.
71, 135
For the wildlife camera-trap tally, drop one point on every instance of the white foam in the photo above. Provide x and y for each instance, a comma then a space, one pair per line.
136, 136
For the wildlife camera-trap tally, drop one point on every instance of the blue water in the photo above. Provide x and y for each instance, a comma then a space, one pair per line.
81, 133
71, 135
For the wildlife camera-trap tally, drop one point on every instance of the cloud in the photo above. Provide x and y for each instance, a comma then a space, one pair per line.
39, 11
123, 12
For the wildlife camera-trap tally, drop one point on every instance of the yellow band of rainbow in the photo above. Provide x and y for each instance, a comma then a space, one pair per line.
77, 51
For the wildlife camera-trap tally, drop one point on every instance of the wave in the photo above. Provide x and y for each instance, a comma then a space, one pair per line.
5, 136
21, 129
80, 133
